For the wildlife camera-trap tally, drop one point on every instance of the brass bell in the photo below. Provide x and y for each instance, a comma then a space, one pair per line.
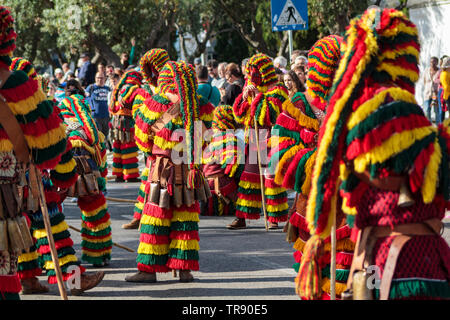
405, 198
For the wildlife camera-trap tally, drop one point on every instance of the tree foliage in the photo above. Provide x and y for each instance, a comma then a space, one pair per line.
56, 31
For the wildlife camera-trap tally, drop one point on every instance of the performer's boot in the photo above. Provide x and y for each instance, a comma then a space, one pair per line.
273, 225
33, 286
186, 276
142, 276
238, 223
133, 224
88, 281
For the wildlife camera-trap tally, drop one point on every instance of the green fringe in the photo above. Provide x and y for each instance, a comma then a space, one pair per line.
341, 274
62, 252
51, 272
98, 216
96, 245
184, 254
152, 259
417, 288
95, 260
28, 265
58, 236
101, 233
184, 226
6, 296
156, 230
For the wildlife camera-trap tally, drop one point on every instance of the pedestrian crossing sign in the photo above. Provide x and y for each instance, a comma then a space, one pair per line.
289, 15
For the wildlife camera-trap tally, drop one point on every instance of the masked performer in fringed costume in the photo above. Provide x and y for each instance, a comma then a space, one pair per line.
169, 225
294, 150
125, 151
89, 150
262, 98
223, 164
379, 152
151, 64
55, 182
32, 134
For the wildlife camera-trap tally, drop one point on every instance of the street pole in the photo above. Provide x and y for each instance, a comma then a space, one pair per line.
291, 44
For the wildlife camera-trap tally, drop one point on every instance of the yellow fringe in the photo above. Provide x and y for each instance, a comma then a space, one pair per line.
185, 216
184, 244
326, 286
66, 167
49, 265
347, 209
395, 71
279, 207
27, 105
26, 257
97, 240
163, 143
149, 220
94, 212
41, 233
393, 145
371, 105
431, 174
308, 172
100, 227
345, 244
156, 249
96, 254
129, 171
302, 119
249, 185
249, 203
299, 245
49, 138
287, 157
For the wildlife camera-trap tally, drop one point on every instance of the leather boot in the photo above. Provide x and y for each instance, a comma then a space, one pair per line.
33, 286
238, 223
119, 179
133, 224
273, 225
186, 276
88, 281
141, 276
133, 180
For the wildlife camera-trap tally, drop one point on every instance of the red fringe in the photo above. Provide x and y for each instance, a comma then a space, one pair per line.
275, 202
153, 239
10, 284
137, 215
177, 264
65, 276
93, 224
153, 210
89, 237
277, 219
250, 197
152, 268
21, 92
63, 243
417, 174
184, 235
97, 250
90, 203
299, 221
29, 274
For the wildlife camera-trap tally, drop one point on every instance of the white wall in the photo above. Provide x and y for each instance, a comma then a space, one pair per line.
433, 23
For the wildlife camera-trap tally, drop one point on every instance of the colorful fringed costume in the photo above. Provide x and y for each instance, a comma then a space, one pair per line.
89, 143
45, 136
375, 145
125, 151
64, 175
169, 224
293, 154
265, 107
223, 163
151, 64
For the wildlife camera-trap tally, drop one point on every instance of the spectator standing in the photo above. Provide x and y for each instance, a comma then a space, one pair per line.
59, 75
293, 83
87, 71
294, 54
445, 83
431, 83
98, 99
243, 65
66, 69
300, 72
222, 82
213, 71
280, 62
205, 89
126, 59
235, 83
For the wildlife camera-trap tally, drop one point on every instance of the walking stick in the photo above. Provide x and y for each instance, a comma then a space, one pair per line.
120, 200
261, 176
333, 260
114, 244
48, 229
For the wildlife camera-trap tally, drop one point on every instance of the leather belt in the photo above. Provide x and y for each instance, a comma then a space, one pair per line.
403, 233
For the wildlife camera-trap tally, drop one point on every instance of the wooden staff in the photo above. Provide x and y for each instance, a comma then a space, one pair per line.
114, 244
120, 200
261, 176
48, 229
333, 260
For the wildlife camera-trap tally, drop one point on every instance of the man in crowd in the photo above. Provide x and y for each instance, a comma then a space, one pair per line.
430, 83
213, 71
98, 99
87, 71
205, 89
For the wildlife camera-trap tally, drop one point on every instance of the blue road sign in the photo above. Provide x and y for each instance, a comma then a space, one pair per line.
289, 15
